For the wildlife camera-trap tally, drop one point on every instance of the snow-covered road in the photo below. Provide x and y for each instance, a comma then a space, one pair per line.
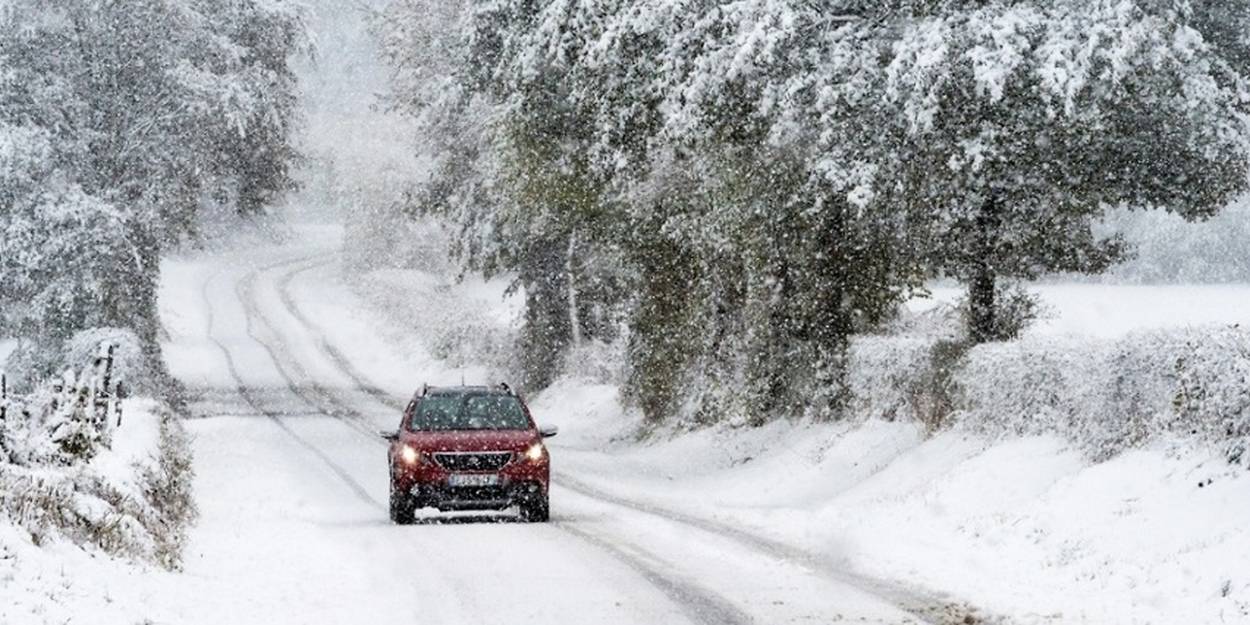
292, 379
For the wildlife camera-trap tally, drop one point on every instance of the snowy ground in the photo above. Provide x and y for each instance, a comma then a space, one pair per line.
1112, 310
60, 582
294, 366
1027, 530
294, 374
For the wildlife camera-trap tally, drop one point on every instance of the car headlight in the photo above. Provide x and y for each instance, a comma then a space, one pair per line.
409, 455
536, 452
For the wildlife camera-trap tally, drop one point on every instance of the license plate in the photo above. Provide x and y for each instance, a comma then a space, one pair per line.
470, 480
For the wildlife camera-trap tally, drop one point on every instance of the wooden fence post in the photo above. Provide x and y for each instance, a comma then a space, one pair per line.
103, 393
108, 367
4, 396
120, 395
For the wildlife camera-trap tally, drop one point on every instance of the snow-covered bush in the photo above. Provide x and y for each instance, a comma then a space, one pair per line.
1109, 396
33, 362
886, 375
381, 238
30, 363
597, 362
455, 327
1106, 396
142, 515
60, 476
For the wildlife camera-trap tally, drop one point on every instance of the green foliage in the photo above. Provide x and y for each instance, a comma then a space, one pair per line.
770, 177
1015, 310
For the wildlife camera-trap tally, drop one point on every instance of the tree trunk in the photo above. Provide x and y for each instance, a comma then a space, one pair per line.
145, 314
546, 332
834, 319
982, 307
659, 346
575, 322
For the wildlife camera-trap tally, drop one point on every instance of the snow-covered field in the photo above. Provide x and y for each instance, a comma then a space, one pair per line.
1113, 310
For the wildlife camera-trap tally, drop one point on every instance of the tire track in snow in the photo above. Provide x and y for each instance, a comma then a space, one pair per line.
321, 398
701, 605
275, 417
927, 607
340, 361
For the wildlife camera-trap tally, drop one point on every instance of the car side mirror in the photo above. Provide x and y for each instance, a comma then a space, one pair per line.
389, 435
547, 431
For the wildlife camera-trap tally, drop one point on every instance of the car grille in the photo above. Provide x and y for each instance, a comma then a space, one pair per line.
471, 461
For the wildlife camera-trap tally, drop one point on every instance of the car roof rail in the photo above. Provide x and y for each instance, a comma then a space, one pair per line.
507, 389
425, 389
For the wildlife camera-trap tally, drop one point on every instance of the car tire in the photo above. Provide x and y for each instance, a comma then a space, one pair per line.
402, 507
536, 511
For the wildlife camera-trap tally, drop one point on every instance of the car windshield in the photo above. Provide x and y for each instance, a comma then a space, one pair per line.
470, 412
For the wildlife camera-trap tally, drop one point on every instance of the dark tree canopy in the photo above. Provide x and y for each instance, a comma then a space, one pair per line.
772, 176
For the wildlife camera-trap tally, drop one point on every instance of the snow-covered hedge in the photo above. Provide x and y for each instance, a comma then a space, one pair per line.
886, 376
1112, 395
1105, 395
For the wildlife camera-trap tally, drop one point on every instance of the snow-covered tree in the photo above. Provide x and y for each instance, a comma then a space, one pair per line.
127, 119
767, 177
1022, 122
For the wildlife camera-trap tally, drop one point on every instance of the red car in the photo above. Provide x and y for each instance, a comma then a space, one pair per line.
468, 448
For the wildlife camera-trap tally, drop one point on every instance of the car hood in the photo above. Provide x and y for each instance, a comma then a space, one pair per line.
472, 440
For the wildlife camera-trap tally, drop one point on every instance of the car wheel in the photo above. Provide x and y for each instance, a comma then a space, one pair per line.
402, 507
536, 511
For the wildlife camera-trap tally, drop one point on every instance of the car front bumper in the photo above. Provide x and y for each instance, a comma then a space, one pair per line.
444, 497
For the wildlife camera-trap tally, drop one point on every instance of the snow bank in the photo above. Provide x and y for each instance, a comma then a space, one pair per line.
130, 499
70, 534
1029, 529
90, 488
